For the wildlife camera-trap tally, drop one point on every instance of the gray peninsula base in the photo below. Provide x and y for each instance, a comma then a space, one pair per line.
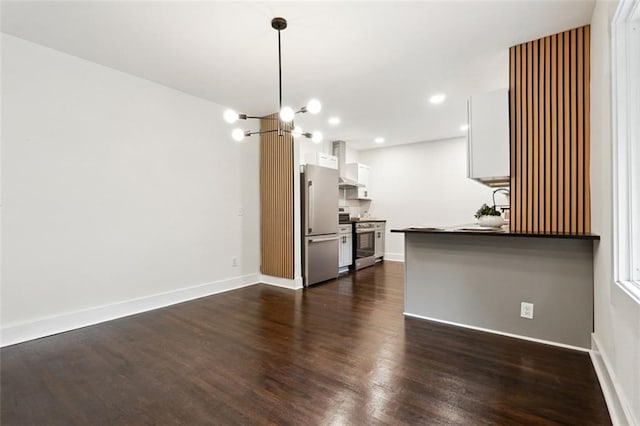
472, 280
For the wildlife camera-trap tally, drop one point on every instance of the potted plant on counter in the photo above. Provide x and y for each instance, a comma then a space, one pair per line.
489, 216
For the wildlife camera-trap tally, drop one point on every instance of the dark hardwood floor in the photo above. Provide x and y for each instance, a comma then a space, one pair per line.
338, 353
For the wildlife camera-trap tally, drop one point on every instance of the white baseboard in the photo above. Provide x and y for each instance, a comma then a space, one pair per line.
617, 404
394, 257
501, 333
292, 284
71, 321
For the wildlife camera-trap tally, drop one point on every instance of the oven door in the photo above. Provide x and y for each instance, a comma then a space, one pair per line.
365, 243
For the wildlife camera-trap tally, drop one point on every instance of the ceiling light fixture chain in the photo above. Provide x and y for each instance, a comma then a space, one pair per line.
286, 114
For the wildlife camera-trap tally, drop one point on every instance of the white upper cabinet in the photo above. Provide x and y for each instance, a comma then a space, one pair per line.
359, 173
488, 138
321, 159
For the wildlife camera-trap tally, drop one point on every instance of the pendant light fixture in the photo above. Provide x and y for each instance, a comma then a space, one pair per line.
286, 113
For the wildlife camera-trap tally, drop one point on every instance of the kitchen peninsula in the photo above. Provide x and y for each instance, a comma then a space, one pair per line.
479, 279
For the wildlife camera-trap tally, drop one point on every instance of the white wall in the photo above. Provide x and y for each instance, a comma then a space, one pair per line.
617, 316
422, 184
115, 188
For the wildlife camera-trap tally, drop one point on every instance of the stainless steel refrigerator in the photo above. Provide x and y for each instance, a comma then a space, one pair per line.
319, 186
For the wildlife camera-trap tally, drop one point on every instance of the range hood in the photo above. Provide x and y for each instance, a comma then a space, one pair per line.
348, 183
340, 151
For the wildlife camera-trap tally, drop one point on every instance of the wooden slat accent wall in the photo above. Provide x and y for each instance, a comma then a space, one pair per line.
549, 119
276, 201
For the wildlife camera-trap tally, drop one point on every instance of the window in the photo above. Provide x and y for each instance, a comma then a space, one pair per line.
625, 30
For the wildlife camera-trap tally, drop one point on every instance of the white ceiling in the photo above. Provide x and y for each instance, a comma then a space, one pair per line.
373, 64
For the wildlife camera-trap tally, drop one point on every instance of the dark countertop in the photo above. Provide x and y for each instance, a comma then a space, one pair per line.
499, 232
363, 221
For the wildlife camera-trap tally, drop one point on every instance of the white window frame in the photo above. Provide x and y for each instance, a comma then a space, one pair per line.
625, 61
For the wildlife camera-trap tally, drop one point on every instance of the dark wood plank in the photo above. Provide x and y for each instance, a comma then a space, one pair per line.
535, 140
587, 129
554, 133
573, 144
567, 133
516, 213
513, 223
580, 175
339, 353
548, 157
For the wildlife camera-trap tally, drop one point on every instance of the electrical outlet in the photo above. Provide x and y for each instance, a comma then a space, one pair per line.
526, 310
234, 261
240, 212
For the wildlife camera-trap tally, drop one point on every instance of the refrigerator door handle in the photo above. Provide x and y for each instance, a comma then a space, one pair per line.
323, 239
310, 206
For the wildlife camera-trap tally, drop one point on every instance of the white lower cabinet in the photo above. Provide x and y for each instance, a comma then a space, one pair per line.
345, 253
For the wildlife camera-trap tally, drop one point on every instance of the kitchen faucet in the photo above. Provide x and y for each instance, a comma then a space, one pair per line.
503, 190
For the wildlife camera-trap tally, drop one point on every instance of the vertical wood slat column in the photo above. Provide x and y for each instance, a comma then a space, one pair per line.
548, 157
540, 141
566, 140
561, 133
535, 141
519, 120
529, 126
554, 133
587, 127
514, 73
580, 123
549, 119
276, 201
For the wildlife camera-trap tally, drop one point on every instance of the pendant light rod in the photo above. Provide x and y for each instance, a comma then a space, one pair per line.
279, 71
279, 24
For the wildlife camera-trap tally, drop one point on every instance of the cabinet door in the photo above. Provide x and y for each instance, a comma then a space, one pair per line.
363, 174
363, 193
379, 252
358, 172
488, 137
345, 250
341, 252
348, 253
326, 160
358, 194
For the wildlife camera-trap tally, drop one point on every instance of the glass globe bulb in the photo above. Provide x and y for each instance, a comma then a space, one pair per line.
230, 116
287, 114
237, 135
316, 137
296, 132
314, 106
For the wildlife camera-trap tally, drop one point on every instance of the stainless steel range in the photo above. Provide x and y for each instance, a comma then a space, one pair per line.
364, 248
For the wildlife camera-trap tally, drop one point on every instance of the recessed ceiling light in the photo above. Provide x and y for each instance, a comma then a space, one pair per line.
438, 98
464, 127
334, 121
379, 139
